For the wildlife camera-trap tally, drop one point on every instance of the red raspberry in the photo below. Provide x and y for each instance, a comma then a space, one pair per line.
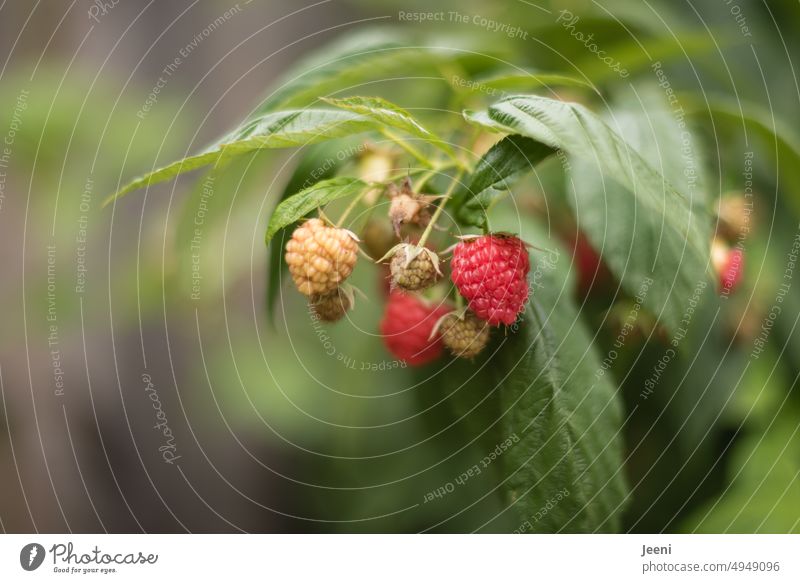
491, 273
729, 265
406, 328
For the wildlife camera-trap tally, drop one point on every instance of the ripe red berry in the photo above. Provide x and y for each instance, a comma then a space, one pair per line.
491, 273
406, 328
729, 265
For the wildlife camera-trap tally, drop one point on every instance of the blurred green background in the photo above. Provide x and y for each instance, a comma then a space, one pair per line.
275, 432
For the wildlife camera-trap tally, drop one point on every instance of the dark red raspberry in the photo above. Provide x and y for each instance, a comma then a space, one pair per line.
593, 273
406, 328
491, 273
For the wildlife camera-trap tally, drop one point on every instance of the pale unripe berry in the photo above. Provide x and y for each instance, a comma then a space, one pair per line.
331, 307
320, 258
414, 268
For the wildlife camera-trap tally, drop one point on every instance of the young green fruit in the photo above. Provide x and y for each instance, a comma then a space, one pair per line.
465, 335
414, 268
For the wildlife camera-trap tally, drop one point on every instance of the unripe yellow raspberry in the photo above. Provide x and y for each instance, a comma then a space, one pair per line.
464, 337
377, 237
414, 268
320, 258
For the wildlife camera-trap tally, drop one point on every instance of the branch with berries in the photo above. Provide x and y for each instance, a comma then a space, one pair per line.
419, 201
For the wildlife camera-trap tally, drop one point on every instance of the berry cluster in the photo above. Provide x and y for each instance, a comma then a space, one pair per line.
489, 274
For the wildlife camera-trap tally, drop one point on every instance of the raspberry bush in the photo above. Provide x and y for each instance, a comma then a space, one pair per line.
485, 272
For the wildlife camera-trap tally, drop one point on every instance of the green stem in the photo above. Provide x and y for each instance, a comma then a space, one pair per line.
352, 205
414, 171
424, 179
407, 147
459, 302
408, 172
424, 238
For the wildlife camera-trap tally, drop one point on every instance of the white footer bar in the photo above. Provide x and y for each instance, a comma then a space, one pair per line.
401, 558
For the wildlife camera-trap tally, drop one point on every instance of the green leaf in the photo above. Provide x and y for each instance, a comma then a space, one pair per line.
645, 249
167, 172
673, 224
636, 54
568, 422
390, 115
287, 129
496, 170
541, 384
283, 129
567, 414
299, 205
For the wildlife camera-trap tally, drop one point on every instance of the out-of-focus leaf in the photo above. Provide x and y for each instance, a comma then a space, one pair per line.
208, 201
743, 117
350, 61
636, 54
373, 54
527, 80
764, 493
283, 129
